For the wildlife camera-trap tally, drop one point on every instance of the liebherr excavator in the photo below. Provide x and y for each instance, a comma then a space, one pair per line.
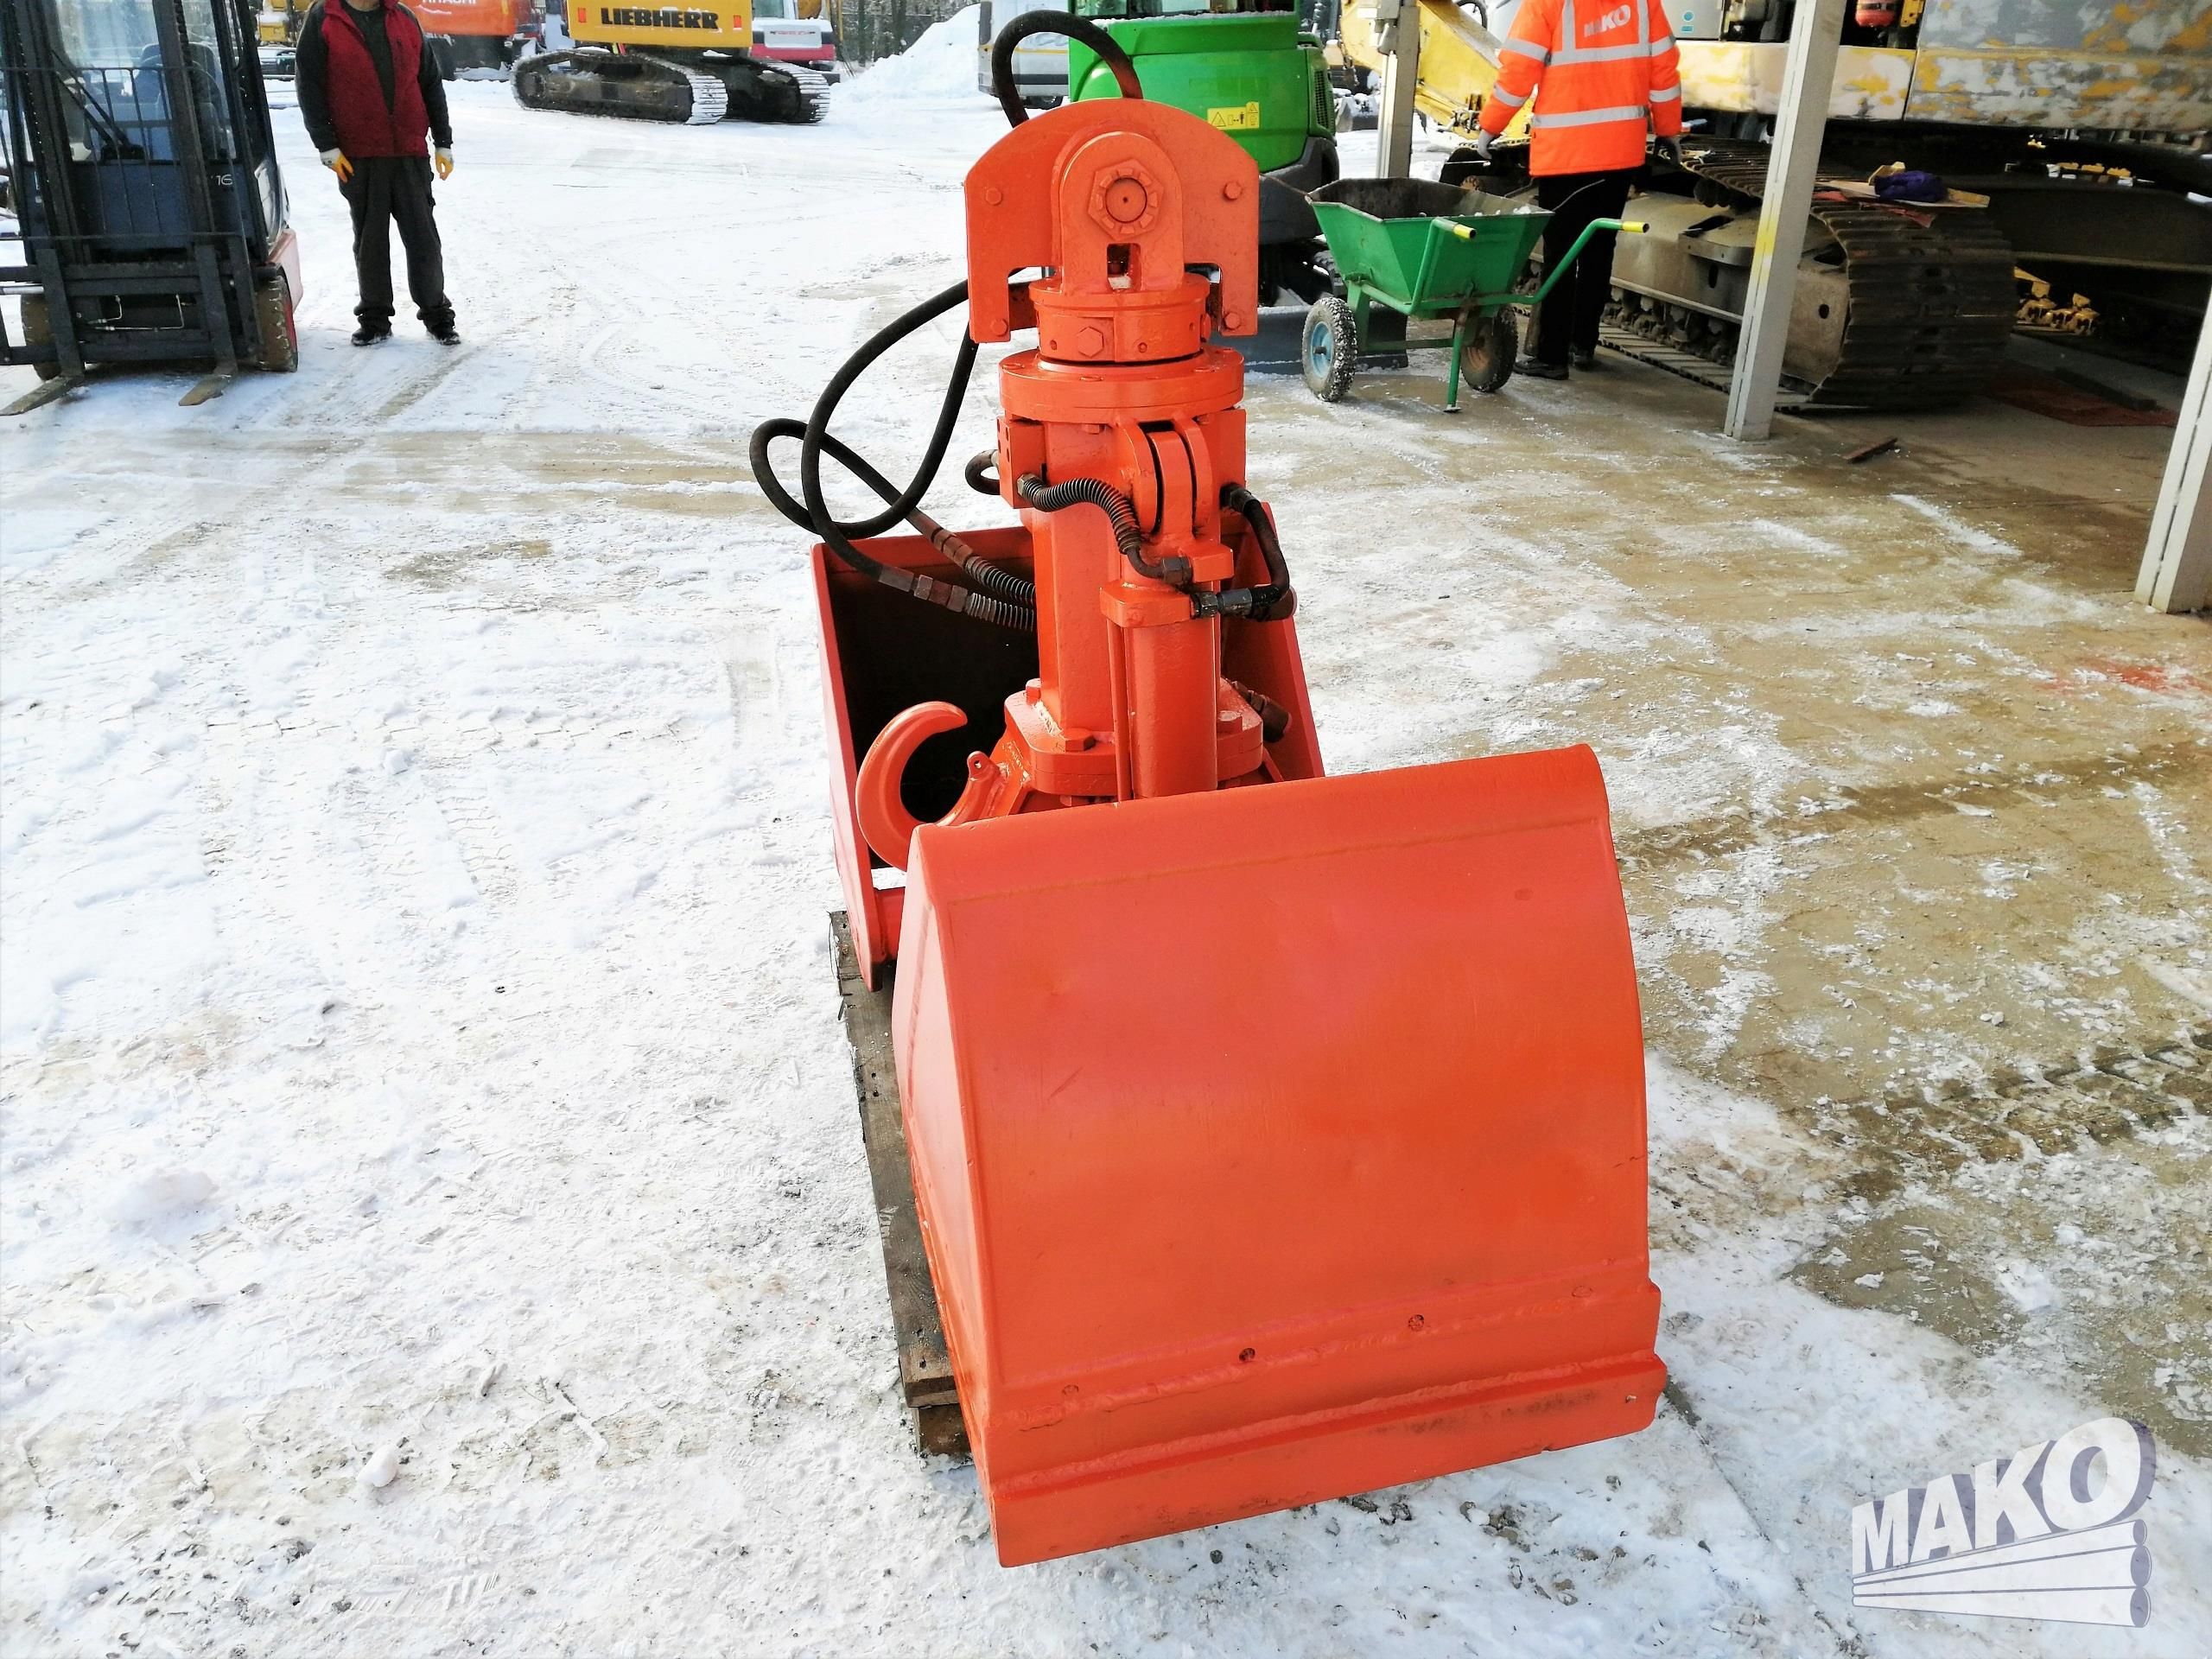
2069, 129
693, 65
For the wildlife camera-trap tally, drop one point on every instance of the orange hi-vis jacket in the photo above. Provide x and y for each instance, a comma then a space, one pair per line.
1602, 63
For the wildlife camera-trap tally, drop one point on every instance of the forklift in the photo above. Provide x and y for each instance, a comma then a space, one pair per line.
152, 222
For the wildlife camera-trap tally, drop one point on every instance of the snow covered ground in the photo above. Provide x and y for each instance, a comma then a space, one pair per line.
434, 1217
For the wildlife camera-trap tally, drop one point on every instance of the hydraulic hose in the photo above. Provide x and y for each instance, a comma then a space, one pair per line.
1054, 23
1012, 600
1277, 599
993, 579
818, 425
1008, 599
1129, 537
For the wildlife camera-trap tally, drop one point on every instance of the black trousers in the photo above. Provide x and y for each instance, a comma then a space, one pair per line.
1571, 311
385, 188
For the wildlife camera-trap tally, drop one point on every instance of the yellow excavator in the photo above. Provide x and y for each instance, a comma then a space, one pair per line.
691, 64
2063, 124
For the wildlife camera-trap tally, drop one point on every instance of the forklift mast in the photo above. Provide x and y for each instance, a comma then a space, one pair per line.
152, 218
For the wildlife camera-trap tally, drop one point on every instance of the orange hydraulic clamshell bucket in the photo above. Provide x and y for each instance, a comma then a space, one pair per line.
1273, 1136
1277, 1144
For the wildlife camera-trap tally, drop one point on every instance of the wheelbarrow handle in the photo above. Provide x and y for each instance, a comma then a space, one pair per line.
1632, 226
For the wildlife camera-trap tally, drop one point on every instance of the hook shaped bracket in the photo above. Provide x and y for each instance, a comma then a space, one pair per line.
885, 825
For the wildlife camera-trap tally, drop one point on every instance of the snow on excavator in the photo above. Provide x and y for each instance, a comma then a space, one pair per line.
1273, 1136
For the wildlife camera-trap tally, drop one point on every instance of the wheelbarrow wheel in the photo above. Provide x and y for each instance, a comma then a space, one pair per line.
1487, 348
1329, 349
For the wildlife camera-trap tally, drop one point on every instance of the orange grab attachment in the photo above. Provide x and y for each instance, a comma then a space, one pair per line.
1274, 1137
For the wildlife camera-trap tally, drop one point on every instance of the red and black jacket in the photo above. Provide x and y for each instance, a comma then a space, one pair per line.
342, 99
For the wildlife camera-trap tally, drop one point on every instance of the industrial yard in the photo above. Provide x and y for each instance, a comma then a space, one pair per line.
433, 1214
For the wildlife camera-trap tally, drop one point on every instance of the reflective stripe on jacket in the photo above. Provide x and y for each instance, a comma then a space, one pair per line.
1594, 76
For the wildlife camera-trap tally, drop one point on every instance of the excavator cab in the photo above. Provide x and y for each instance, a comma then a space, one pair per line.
154, 226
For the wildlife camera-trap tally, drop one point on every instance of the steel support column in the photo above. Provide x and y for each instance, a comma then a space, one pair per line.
1398, 32
2177, 562
1801, 120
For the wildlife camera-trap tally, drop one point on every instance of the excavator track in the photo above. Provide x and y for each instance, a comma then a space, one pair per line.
813, 91
634, 86
1929, 306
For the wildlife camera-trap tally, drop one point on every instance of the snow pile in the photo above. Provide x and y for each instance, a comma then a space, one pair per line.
942, 64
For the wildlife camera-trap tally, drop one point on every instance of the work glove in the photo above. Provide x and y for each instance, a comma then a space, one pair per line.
1483, 141
1671, 148
336, 162
444, 162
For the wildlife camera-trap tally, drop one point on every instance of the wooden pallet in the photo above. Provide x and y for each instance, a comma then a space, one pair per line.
925, 1366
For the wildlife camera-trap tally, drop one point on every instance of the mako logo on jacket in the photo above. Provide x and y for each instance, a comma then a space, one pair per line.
2047, 1533
646, 17
1613, 19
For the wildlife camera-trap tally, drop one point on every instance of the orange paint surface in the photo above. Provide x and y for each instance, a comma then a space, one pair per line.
2162, 679
1273, 1136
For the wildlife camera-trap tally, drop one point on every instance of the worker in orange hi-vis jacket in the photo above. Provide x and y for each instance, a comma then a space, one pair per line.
1597, 69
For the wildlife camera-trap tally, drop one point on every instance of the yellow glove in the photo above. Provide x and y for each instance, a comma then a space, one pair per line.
336, 162
445, 163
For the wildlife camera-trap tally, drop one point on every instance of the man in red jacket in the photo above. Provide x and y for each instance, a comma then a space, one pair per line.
369, 89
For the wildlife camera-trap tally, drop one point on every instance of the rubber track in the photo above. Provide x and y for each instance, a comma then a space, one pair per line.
1931, 307
637, 98
808, 94
813, 91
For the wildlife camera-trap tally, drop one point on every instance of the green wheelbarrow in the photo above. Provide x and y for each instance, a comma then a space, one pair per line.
1426, 250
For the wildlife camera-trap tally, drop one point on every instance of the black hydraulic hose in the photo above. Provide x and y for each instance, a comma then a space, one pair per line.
1054, 23
1276, 720
980, 472
991, 578
818, 425
1001, 606
902, 501
1128, 536
1277, 599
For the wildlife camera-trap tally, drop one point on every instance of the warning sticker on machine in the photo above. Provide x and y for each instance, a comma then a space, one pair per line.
1236, 117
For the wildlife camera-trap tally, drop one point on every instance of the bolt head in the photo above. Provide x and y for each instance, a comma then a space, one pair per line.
1126, 200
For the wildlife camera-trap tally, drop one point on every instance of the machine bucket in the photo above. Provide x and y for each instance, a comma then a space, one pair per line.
1278, 1143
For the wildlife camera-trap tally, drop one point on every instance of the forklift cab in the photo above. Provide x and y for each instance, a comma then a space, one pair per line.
154, 226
